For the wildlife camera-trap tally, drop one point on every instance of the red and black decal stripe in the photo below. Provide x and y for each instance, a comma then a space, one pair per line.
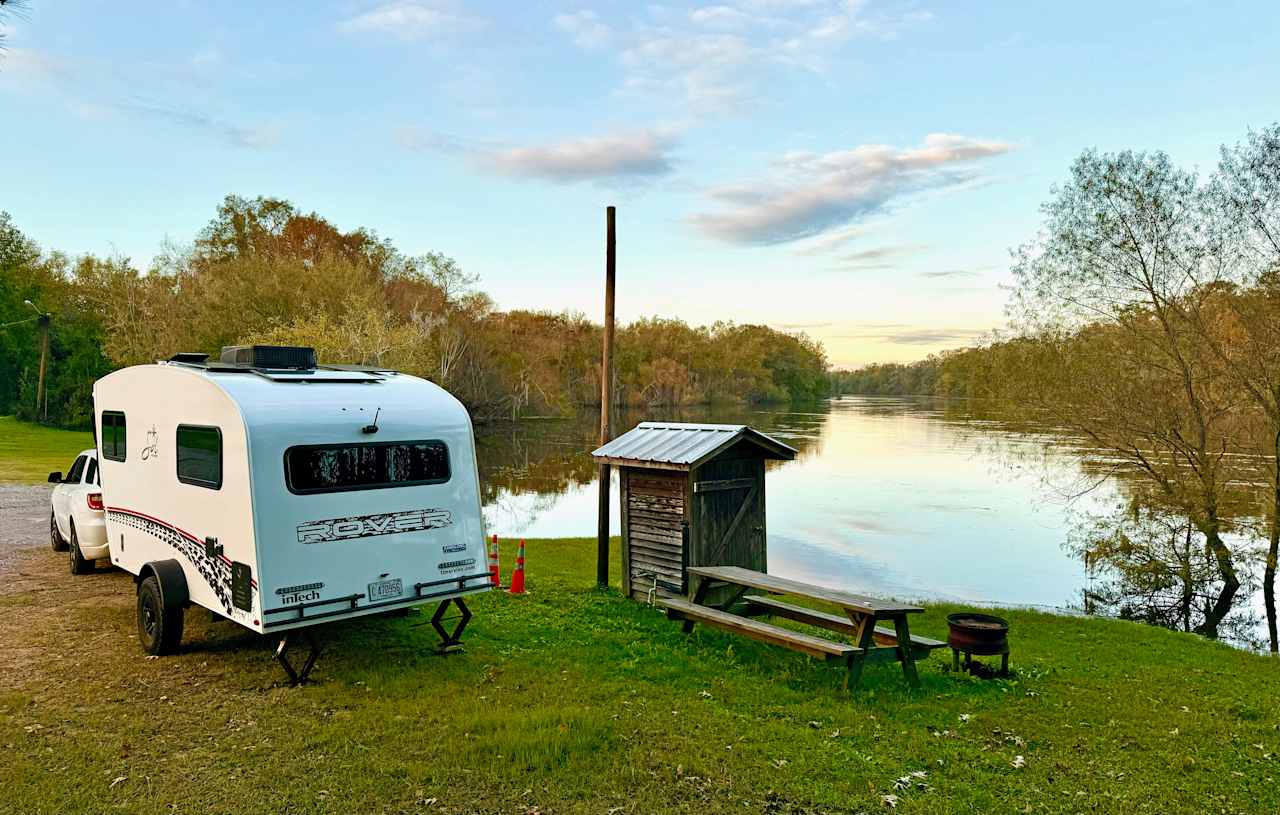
215, 570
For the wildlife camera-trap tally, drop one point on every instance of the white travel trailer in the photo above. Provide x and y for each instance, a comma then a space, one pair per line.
279, 493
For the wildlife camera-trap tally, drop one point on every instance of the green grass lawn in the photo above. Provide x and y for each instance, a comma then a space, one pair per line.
29, 452
575, 700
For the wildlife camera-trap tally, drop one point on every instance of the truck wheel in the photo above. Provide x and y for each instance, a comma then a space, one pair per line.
78, 564
159, 624
55, 537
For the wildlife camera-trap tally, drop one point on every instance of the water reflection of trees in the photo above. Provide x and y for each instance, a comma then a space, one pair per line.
549, 457
1150, 565
1144, 561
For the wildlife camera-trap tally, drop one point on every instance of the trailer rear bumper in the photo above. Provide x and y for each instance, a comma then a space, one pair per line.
340, 608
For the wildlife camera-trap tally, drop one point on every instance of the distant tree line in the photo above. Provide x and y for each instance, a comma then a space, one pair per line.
264, 271
977, 372
1146, 317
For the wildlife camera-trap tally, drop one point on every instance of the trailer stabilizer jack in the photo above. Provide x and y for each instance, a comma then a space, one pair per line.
298, 677
450, 642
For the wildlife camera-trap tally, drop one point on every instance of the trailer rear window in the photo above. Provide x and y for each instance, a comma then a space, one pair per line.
374, 465
113, 435
200, 456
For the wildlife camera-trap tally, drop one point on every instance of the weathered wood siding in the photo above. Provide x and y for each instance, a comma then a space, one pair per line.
654, 509
722, 504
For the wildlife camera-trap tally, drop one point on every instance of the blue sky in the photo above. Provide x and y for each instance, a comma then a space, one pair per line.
855, 170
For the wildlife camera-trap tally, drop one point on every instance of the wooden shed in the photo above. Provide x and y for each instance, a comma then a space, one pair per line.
690, 495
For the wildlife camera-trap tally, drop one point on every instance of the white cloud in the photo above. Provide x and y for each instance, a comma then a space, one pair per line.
623, 154
899, 334
635, 153
32, 65
252, 137
780, 5
880, 257
585, 27
720, 17
841, 23
810, 194
938, 274
800, 326
938, 336
826, 242
424, 139
712, 72
410, 20
123, 92
719, 58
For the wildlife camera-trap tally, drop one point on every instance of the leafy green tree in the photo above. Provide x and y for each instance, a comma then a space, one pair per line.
1243, 328
22, 278
1106, 288
262, 270
76, 340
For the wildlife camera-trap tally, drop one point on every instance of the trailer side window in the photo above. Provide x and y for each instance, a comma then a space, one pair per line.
200, 456
113, 435
374, 465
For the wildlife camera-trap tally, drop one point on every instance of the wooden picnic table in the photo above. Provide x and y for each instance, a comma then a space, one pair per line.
867, 641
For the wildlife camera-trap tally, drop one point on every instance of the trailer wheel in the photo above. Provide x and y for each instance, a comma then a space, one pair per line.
78, 564
159, 624
55, 537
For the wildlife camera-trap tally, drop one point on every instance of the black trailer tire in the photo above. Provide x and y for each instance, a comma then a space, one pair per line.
56, 541
78, 563
159, 624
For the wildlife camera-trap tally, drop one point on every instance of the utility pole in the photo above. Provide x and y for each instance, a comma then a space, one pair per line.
41, 399
42, 320
606, 395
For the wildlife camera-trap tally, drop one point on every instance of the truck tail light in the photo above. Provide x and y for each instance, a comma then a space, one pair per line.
95, 500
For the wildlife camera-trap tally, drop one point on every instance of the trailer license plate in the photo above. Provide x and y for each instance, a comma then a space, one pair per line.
385, 589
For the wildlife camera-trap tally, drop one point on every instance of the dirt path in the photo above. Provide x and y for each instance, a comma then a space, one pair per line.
24, 521
56, 627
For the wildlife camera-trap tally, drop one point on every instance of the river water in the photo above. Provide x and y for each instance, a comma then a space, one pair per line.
895, 497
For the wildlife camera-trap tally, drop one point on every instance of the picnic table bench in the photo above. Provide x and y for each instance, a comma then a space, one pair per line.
868, 642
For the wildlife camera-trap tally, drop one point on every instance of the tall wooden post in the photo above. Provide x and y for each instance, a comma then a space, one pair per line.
606, 396
44, 364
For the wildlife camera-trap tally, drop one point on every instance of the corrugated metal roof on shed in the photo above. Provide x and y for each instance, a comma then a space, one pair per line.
681, 444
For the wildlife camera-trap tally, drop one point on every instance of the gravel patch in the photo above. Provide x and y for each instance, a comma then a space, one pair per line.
24, 521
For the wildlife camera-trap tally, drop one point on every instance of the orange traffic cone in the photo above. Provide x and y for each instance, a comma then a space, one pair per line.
517, 576
494, 573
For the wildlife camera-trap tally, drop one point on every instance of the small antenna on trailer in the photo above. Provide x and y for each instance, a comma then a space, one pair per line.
372, 427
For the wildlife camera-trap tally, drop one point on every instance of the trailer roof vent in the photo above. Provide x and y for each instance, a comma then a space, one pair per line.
274, 357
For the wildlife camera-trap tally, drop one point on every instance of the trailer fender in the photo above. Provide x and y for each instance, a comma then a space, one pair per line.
173, 581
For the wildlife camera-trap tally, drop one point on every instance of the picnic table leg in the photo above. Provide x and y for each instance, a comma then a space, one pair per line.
737, 595
865, 640
697, 593
905, 652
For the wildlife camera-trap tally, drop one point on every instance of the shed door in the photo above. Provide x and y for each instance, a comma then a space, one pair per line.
728, 523
655, 515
